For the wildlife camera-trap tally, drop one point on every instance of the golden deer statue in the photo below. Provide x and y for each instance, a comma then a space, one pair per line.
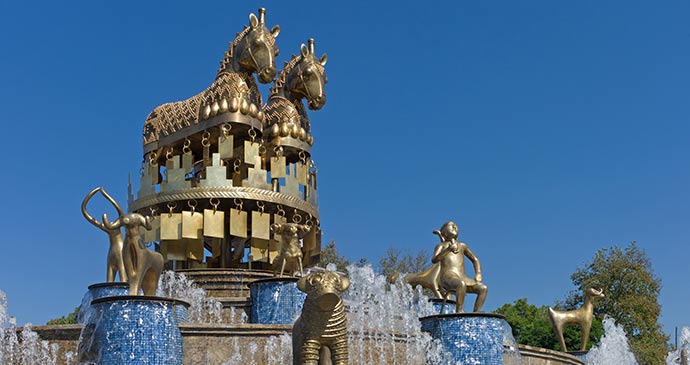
581, 316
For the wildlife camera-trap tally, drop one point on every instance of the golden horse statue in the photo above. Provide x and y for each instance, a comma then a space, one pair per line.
234, 89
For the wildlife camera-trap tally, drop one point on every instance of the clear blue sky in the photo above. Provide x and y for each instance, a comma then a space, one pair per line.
546, 129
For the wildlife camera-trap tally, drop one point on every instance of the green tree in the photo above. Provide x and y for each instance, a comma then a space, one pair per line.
330, 255
395, 260
531, 326
632, 290
68, 319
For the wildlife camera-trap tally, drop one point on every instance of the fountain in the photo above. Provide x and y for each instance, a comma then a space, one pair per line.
225, 220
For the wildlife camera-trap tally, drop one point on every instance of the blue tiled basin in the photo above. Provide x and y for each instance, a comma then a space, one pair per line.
275, 301
138, 330
471, 338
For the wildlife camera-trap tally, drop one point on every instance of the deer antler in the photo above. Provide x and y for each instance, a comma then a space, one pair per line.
86, 214
112, 201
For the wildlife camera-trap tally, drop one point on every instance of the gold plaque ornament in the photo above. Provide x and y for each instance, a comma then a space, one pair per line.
214, 221
226, 146
153, 235
171, 225
192, 222
238, 223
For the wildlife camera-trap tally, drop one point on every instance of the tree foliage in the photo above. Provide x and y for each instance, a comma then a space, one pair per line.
531, 326
395, 260
632, 292
68, 319
330, 255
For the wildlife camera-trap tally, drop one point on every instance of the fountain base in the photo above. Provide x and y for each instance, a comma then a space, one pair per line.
471, 338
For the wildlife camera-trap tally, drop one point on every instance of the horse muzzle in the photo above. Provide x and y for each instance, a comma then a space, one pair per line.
317, 102
266, 75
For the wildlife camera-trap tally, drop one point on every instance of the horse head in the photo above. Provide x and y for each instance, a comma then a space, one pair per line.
307, 78
255, 49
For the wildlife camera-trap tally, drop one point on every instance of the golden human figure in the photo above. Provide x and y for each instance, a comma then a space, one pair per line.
115, 263
451, 255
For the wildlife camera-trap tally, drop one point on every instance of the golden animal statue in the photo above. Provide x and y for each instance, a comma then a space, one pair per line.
142, 265
290, 254
115, 263
303, 77
319, 336
234, 89
429, 279
581, 316
451, 255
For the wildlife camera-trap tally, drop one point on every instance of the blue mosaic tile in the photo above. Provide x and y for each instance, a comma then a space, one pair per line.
133, 330
275, 301
440, 308
472, 338
97, 291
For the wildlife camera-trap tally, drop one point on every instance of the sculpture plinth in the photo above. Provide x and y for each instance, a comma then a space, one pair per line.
139, 330
471, 338
275, 301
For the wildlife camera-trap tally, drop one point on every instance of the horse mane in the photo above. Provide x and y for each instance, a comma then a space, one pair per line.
227, 59
280, 81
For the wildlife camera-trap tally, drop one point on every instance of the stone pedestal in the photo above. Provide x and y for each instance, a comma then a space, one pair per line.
138, 330
471, 338
275, 301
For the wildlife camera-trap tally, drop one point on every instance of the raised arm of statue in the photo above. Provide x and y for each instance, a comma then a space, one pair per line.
439, 253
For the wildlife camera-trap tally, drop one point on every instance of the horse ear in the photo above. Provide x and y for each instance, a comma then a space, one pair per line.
253, 20
305, 50
323, 60
275, 31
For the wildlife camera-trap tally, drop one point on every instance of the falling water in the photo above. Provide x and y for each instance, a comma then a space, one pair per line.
202, 309
674, 357
25, 349
383, 322
613, 347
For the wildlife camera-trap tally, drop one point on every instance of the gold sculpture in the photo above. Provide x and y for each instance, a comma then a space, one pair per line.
581, 316
115, 262
233, 91
290, 252
303, 77
142, 265
451, 255
429, 279
319, 336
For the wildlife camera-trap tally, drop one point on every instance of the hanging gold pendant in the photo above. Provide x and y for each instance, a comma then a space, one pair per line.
277, 167
214, 223
192, 224
238, 223
302, 173
261, 225
171, 226
154, 235
226, 146
251, 151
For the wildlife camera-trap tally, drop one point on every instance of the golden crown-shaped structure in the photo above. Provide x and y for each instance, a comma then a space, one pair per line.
220, 168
